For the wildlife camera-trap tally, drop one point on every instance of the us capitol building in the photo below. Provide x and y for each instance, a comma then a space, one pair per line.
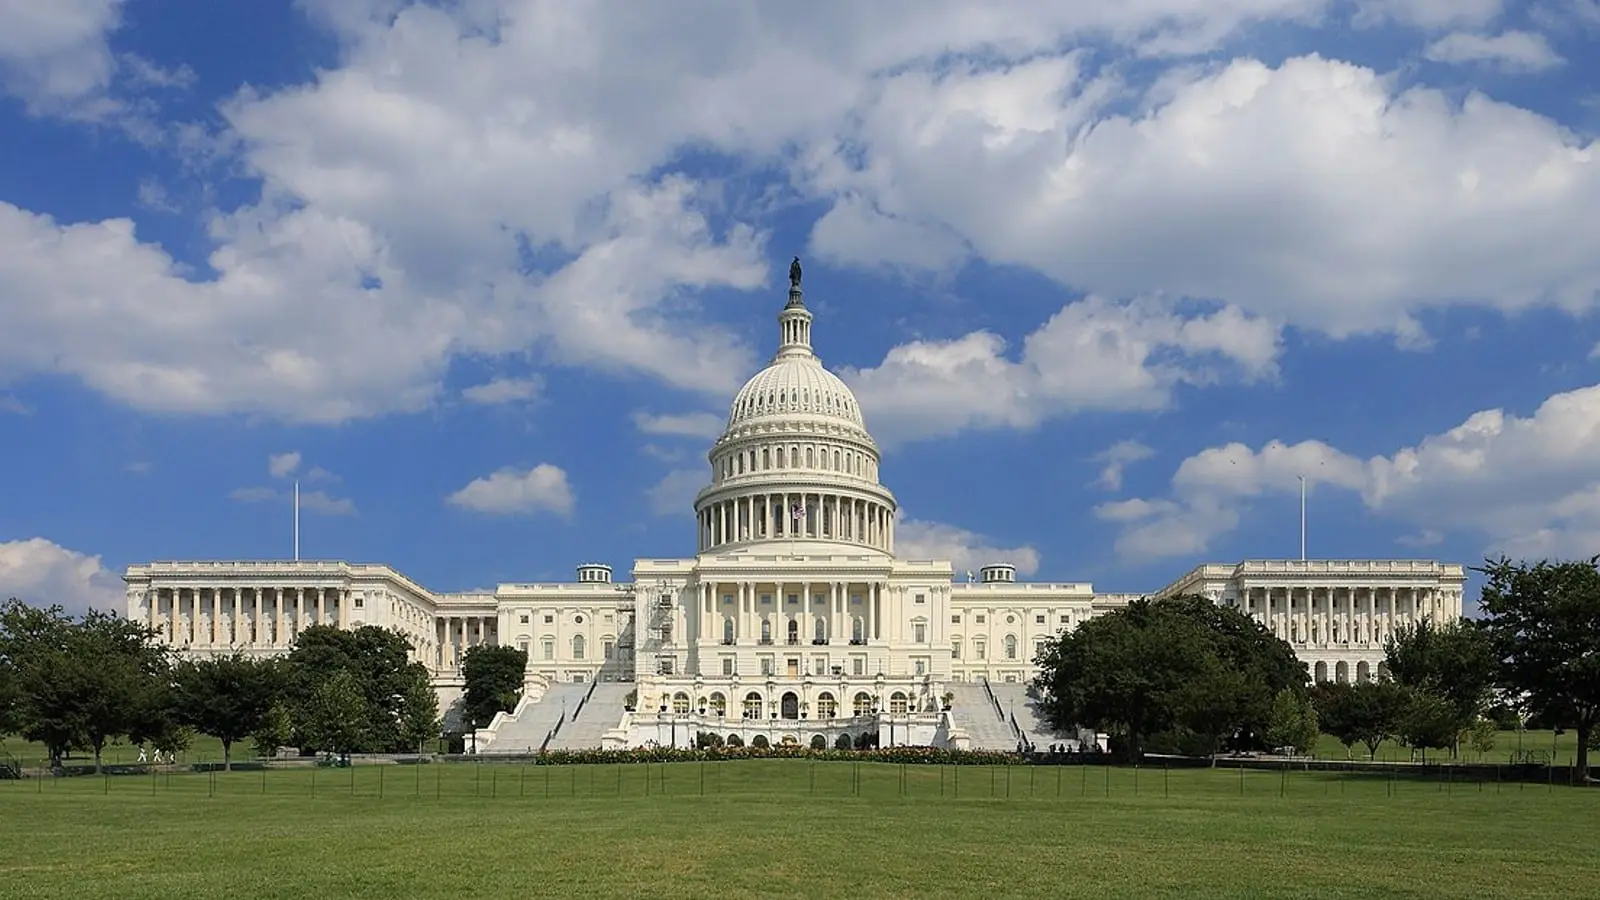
793, 622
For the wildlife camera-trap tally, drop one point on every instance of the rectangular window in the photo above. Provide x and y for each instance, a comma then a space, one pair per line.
1065, 619
523, 618
955, 619
919, 633
922, 667
579, 678
523, 646
359, 601
792, 664
922, 598
819, 665
1038, 620
727, 665
980, 650
610, 650
548, 618
794, 599
1038, 649
981, 619
766, 665
955, 649
766, 599
667, 666
608, 617
547, 649
858, 666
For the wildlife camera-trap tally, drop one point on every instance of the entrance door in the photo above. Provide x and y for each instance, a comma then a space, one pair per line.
790, 706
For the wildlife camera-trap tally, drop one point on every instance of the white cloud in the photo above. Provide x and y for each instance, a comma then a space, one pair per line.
54, 53
43, 573
510, 490
504, 390
966, 550
1118, 457
674, 494
313, 501
13, 405
403, 192
1312, 194
1527, 486
282, 465
1427, 537
1092, 355
1427, 14
693, 425
1512, 51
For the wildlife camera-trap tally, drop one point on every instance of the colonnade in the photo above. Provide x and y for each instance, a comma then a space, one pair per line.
772, 517
1332, 616
454, 634
827, 602
259, 617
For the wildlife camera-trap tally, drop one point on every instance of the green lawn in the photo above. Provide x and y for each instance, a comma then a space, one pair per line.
790, 828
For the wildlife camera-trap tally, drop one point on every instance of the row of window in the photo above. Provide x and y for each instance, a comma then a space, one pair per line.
820, 665
580, 648
789, 706
1009, 647
846, 461
550, 619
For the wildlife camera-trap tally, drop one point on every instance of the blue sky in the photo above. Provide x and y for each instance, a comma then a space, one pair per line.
1106, 278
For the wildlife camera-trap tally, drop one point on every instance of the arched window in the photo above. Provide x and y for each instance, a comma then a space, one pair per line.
577, 646
861, 704
741, 464
766, 459
821, 630
780, 457
897, 704
766, 631
680, 704
794, 631
827, 707
718, 704
752, 705
1011, 646
727, 629
836, 460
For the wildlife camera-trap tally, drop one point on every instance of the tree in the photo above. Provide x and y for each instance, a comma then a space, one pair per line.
33, 645
1179, 673
116, 680
1453, 662
386, 680
274, 732
419, 712
1429, 721
1544, 624
1482, 736
493, 682
1365, 712
227, 697
335, 715
1293, 722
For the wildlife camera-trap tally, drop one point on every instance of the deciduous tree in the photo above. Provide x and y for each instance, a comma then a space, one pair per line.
379, 665
1293, 722
493, 682
1453, 662
334, 716
1544, 622
1180, 672
227, 697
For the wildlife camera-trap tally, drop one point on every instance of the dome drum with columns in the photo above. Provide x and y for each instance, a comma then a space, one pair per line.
796, 461
794, 622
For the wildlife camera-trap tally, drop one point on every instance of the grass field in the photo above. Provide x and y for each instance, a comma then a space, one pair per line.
790, 828
1562, 746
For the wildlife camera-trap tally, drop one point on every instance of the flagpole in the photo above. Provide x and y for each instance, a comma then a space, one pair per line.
1302, 518
297, 520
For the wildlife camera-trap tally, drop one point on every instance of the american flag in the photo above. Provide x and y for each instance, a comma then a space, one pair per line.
798, 511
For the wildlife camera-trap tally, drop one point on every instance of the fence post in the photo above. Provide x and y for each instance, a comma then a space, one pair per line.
380, 782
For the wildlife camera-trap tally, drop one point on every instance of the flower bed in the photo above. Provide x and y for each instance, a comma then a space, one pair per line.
911, 755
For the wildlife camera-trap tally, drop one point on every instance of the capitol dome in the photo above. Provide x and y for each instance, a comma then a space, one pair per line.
795, 462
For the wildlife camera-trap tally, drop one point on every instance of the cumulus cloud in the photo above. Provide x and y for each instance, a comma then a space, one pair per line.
53, 54
1092, 355
964, 549
1512, 51
1526, 485
483, 179
44, 573
674, 494
1116, 458
693, 425
504, 390
282, 465
508, 491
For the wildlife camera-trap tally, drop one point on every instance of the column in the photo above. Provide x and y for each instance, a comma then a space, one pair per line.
343, 612
322, 606
808, 629
277, 617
